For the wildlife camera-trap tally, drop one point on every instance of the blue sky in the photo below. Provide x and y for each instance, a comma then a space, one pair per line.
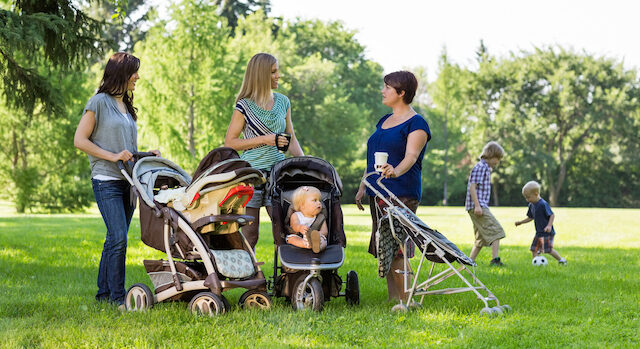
408, 33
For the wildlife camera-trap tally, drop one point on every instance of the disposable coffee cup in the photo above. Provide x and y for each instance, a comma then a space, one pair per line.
380, 160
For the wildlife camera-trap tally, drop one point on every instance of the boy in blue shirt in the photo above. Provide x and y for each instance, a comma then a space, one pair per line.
540, 212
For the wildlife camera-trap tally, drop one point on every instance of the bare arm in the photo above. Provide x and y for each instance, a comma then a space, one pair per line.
526, 220
294, 147
550, 225
81, 140
474, 196
360, 193
415, 142
232, 138
296, 226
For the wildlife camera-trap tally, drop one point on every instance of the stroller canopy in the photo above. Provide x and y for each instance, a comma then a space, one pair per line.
147, 170
305, 165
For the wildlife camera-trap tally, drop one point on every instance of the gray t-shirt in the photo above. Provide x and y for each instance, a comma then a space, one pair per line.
113, 131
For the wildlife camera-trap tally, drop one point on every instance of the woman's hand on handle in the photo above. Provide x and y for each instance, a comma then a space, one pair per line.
155, 152
388, 171
124, 156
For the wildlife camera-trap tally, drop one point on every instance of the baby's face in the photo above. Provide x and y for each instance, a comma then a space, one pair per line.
311, 206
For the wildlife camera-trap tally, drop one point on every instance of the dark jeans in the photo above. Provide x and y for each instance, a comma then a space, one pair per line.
116, 209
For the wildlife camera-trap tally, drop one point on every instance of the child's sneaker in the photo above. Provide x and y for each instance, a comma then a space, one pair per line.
496, 262
562, 261
316, 241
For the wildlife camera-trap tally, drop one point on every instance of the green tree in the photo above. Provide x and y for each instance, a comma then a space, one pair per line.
551, 107
447, 116
182, 93
51, 33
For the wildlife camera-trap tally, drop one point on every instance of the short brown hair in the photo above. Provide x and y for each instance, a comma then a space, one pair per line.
492, 150
403, 81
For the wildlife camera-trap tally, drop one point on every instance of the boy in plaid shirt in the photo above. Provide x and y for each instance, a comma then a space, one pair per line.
488, 231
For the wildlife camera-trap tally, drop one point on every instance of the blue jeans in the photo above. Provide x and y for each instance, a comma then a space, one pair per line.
116, 209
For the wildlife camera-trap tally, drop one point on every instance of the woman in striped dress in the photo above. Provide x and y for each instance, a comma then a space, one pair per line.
260, 115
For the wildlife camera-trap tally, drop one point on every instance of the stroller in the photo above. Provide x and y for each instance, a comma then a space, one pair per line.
305, 278
196, 223
397, 227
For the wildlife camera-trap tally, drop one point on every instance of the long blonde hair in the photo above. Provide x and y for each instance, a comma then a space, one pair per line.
256, 84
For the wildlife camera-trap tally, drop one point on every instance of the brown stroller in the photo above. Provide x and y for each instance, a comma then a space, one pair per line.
196, 223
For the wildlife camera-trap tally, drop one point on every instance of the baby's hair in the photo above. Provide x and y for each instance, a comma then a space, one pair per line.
531, 187
297, 199
492, 150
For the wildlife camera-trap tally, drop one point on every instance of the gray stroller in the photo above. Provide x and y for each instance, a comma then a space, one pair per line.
398, 227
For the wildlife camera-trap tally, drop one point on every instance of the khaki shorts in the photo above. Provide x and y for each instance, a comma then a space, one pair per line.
486, 228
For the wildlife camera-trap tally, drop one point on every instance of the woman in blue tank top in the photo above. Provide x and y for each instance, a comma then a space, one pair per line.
403, 135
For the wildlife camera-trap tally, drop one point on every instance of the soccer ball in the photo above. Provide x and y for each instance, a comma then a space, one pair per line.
539, 261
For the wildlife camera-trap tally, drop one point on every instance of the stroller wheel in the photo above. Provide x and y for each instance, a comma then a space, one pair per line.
488, 312
311, 297
399, 308
206, 303
227, 306
254, 299
138, 298
352, 291
506, 308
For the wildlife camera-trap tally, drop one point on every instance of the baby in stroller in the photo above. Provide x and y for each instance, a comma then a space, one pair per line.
308, 224
305, 277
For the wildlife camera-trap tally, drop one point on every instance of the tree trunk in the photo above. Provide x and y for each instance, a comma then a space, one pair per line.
494, 194
445, 195
192, 141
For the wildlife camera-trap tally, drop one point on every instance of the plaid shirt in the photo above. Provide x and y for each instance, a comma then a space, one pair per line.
481, 174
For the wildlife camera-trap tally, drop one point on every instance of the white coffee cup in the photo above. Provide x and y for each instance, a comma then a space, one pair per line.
380, 160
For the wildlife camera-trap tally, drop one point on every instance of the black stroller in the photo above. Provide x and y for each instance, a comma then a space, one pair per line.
305, 278
396, 228
196, 223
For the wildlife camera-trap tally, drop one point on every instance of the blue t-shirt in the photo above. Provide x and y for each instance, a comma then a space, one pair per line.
540, 212
394, 141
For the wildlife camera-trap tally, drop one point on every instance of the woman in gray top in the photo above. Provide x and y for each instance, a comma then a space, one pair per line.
107, 133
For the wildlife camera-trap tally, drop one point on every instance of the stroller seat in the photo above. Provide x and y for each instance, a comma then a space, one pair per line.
301, 258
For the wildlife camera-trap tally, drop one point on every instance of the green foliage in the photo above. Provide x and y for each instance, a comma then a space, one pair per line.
547, 109
41, 167
52, 33
184, 103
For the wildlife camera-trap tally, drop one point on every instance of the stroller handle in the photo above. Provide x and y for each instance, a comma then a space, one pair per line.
136, 156
391, 196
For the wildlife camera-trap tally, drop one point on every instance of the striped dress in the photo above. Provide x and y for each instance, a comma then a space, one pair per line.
259, 122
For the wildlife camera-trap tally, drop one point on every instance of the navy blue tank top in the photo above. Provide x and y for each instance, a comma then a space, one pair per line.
394, 141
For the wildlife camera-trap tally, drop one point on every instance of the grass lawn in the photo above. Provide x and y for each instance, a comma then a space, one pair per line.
48, 269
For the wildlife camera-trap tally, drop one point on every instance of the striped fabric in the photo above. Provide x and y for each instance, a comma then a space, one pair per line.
259, 122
